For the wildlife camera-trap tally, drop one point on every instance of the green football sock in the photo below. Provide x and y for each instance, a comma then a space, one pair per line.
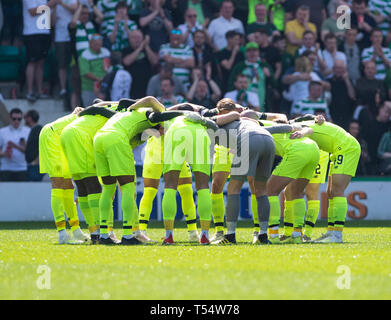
146, 205
218, 208
106, 206
275, 214
129, 207
340, 209
93, 202
70, 208
58, 208
299, 209
311, 216
87, 213
188, 206
254, 209
169, 207
330, 216
288, 218
204, 206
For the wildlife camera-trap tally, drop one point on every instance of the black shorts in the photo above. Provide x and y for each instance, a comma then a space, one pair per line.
63, 53
37, 46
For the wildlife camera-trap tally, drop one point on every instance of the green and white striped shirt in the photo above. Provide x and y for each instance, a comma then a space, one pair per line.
306, 106
108, 9
182, 52
121, 40
82, 36
367, 54
169, 103
381, 7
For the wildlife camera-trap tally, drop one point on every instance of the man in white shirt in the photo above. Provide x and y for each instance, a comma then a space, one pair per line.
242, 95
13, 140
330, 54
64, 13
220, 26
37, 41
189, 27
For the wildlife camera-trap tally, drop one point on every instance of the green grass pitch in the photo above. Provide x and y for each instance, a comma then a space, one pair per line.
357, 269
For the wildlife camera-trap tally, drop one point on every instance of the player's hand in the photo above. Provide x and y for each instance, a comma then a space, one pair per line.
297, 135
77, 110
296, 127
320, 120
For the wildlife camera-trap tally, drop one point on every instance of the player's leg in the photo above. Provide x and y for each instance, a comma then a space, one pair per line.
57, 206
185, 189
288, 215
313, 202
94, 190
275, 185
105, 208
150, 190
169, 206
218, 206
204, 204
71, 211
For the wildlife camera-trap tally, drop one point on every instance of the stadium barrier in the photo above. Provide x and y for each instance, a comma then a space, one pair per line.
368, 199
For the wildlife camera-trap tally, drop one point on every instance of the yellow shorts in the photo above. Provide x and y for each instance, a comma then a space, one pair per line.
187, 142
79, 151
345, 159
320, 172
222, 159
153, 164
51, 156
299, 161
113, 155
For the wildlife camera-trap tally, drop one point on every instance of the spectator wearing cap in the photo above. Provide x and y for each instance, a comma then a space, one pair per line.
259, 74
156, 22
168, 99
229, 57
242, 95
179, 55
37, 42
92, 68
361, 20
154, 83
261, 22
31, 119
203, 91
80, 29
13, 139
295, 29
119, 28
139, 59
381, 56
224, 23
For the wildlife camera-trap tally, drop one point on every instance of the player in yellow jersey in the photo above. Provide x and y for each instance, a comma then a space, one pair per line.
152, 172
52, 161
77, 142
313, 202
115, 163
345, 154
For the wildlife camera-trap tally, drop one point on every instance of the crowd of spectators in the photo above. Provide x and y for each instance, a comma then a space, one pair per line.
285, 56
